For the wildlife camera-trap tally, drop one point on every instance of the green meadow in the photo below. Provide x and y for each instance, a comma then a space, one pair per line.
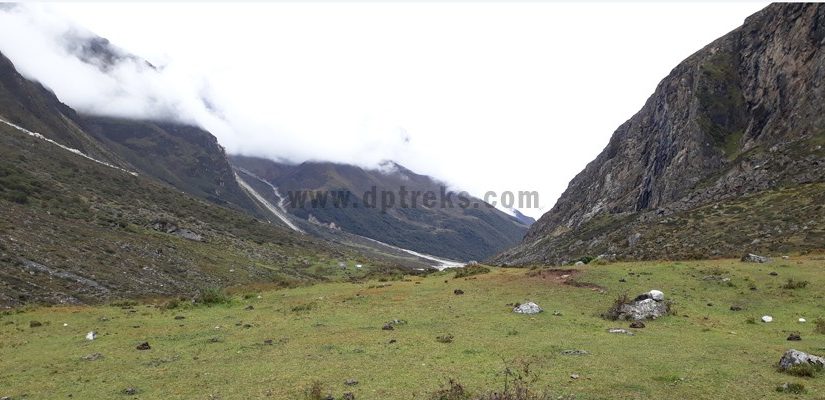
307, 342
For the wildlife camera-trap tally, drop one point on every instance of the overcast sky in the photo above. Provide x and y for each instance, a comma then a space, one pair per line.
485, 96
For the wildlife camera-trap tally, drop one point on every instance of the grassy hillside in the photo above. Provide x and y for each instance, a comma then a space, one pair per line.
73, 231
325, 334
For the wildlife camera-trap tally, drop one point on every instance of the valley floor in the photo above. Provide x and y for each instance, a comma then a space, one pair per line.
329, 333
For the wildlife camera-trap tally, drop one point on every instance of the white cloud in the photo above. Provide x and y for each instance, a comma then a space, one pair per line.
486, 96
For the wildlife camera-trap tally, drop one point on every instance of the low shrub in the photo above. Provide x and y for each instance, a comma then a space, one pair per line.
805, 370
304, 307
792, 284
794, 388
211, 296
448, 338
819, 326
470, 270
615, 310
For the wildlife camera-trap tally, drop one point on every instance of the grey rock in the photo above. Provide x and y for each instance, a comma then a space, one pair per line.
795, 357
643, 309
350, 382
528, 308
755, 258
575, 352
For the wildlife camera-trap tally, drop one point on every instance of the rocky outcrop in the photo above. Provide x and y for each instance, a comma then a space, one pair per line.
650, 305
793, 357
742, 117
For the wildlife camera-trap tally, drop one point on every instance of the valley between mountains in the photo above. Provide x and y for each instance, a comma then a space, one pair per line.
138, 259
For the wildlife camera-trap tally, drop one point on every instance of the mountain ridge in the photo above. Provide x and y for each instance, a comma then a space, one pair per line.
741, 116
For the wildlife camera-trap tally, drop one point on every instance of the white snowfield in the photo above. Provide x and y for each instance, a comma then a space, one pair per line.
67, 148
442, 262
278, 211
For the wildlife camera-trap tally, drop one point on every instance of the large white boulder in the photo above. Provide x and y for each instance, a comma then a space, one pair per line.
528, 308
656, 295
795, 357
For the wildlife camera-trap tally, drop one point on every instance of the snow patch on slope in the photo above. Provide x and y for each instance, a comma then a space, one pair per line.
67, 148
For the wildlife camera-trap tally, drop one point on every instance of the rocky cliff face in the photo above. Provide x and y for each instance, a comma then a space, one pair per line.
742, 118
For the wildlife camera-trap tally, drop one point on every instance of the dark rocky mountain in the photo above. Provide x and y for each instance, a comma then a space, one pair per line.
29, 104
451, 231
725, 156
96, 209
185, 157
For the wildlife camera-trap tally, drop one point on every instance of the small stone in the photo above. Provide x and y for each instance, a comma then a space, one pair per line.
249, 308
35, 324
350, 382
736, 308
348, 396
637, 324
620, 331
622, 280
710, 304
387, 327
575, 352
92, 357
774, 273
91, 335
130, 391
268, 342
179, 317
392, 341
802, 320
574, 376
144, 346
794, 337
458, 292
767, 318
247, 326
